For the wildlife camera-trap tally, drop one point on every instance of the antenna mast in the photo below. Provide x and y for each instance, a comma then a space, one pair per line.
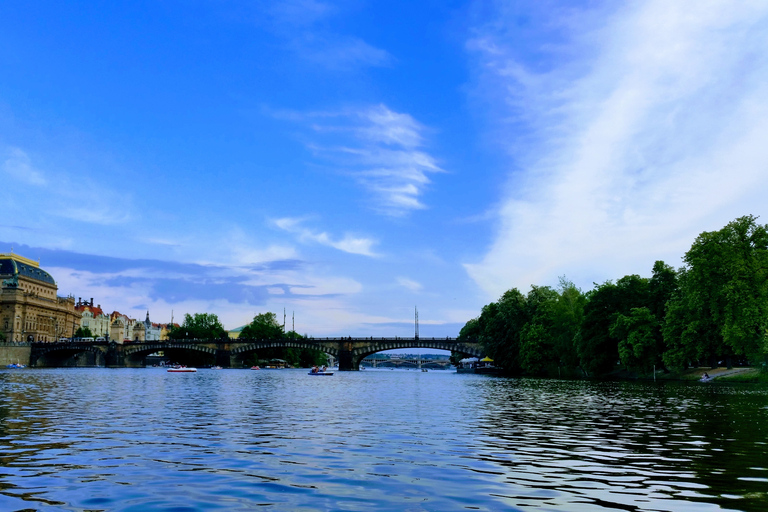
283, 320
416, 312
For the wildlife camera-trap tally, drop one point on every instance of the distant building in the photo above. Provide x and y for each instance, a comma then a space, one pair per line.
30, 308
94, 318
152, 332
235, 333
123, 328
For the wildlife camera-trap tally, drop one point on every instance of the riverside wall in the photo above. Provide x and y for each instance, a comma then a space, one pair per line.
14, 352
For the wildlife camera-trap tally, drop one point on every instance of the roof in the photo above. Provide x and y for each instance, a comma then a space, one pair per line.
13, 264
93, 309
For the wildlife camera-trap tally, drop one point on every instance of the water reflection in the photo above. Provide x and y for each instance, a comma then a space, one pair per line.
96, 439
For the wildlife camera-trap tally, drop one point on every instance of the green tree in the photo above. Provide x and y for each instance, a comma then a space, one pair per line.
264, 326
638, 340
537, 335
727, 278
598, 350
83, 332
200, 326
500, 325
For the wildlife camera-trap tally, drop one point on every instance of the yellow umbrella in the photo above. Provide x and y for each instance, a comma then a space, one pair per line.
486, 359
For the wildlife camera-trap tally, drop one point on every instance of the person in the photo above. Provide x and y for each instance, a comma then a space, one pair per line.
314, 369
706, 375
323, 370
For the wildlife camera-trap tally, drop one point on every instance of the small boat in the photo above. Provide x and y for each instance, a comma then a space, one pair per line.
216, 368
320, 373
255, 368
16, 365
181, 369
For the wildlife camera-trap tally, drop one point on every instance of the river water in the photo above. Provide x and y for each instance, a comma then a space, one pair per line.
144, 439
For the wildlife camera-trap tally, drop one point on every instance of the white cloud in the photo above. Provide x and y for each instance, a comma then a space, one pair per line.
655, 134
382, 150
17, 165
349, 243
409, 284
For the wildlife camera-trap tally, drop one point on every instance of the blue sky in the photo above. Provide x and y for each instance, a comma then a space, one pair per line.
347, 161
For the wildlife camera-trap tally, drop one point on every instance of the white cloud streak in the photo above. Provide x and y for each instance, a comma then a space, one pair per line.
656, 134
382, 150
349, 243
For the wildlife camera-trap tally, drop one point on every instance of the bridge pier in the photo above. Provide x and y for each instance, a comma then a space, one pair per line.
347, 361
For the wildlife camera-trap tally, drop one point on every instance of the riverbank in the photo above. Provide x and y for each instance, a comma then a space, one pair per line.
741, 374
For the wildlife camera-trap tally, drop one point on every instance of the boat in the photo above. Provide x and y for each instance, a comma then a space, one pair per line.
216, 367
320, 373
16, 366
181, 369
255, 368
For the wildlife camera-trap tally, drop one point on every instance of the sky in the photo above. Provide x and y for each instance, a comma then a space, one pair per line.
346, 162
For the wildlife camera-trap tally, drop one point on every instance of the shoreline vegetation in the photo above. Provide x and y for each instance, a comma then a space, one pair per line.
710, 315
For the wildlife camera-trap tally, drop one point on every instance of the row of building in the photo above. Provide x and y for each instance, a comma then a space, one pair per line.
31, 309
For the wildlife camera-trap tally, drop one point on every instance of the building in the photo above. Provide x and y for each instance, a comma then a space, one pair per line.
94, 318
30, 308
152, 331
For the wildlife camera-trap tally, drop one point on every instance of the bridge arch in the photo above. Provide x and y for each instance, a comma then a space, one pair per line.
361, 352
67, 355
134, 355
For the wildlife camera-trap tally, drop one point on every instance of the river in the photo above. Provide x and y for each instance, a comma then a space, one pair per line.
143, 439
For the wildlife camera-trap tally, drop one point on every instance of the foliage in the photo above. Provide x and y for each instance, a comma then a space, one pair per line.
200, 326
263, 327
638, 339
714, 308
598, 349
727, 277
83, 332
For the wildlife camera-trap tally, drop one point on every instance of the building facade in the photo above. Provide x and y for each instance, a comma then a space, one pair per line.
94, 318
30, 308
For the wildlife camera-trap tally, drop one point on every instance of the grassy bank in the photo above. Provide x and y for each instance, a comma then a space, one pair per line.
695, 374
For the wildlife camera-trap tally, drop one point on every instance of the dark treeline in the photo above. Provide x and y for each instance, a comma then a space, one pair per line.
712, 309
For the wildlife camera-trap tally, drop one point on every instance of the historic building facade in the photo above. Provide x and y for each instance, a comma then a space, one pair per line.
30, 308
94, 318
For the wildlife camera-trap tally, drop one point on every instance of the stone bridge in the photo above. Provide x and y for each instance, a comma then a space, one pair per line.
230, 353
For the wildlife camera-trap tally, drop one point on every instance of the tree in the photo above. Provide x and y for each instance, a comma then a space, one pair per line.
727, 277
537, 335
264, 326
200, 326
598, 349
83, 332
637, 334
500, 324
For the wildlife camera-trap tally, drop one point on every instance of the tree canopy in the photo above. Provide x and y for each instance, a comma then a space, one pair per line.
199, 326
713, 308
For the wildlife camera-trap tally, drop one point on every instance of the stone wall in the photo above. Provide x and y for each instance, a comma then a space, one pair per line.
14, 353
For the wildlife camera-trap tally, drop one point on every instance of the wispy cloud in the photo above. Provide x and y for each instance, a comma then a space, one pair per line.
409, 284
379, 148
17, 166
349, 243
307, 27
67, 194
650, 128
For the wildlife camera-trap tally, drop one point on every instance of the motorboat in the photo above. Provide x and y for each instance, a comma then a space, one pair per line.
181, 369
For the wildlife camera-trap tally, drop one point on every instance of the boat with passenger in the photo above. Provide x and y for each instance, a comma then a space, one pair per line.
319, 371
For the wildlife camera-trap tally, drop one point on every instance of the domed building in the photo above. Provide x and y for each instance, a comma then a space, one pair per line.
30, 309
